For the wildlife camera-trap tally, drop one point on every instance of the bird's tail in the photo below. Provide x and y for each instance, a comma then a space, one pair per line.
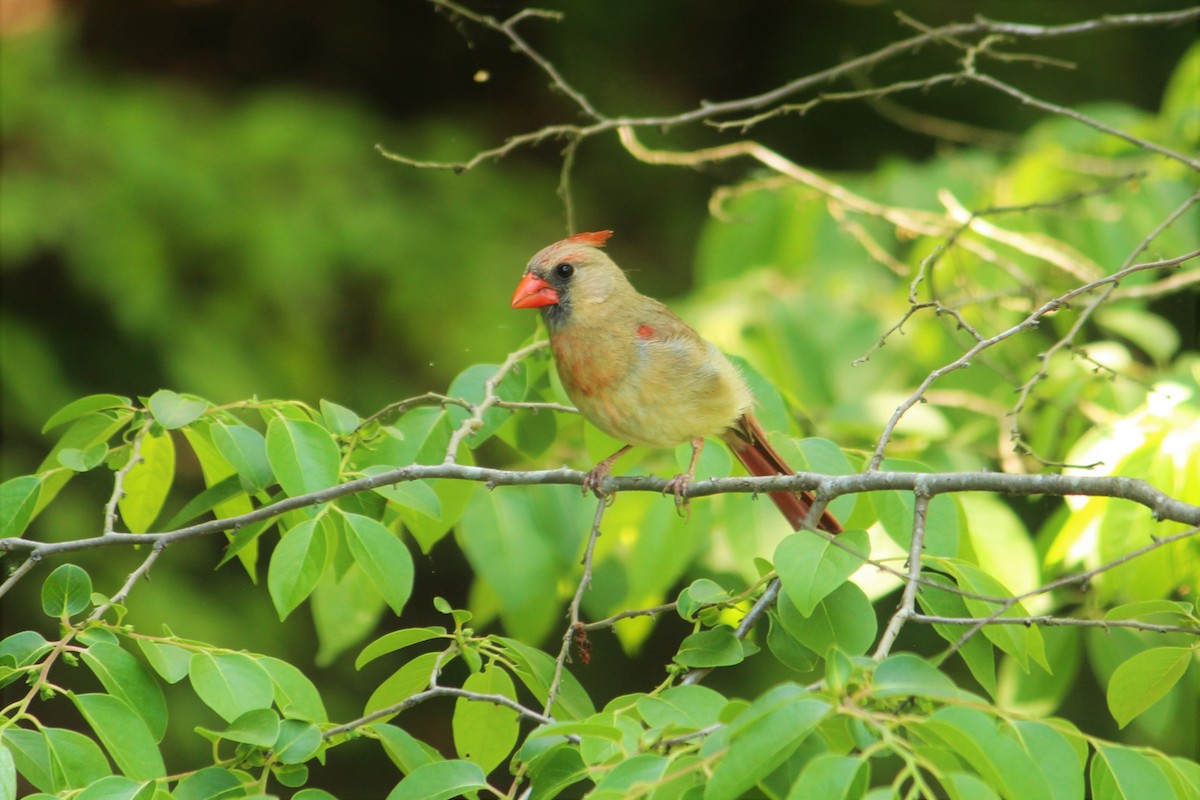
749, 443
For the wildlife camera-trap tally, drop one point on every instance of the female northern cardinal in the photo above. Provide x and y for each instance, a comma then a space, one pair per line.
641, 374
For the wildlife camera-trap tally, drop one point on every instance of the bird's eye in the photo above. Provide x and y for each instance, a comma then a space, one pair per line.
564, 270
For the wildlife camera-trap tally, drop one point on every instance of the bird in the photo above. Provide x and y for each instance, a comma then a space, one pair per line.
641, 374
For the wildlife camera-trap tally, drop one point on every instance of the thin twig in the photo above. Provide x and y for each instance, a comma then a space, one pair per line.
908, 600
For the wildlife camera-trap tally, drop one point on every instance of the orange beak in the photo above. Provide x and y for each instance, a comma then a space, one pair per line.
533, 292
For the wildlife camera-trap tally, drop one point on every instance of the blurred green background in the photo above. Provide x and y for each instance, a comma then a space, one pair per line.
191, 199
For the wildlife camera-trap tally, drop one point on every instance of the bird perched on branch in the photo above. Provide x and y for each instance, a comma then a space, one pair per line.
641, 374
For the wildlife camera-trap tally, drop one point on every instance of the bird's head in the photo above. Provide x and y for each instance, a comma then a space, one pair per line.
568, 273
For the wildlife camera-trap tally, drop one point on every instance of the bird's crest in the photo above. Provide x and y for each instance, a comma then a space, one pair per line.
594, 239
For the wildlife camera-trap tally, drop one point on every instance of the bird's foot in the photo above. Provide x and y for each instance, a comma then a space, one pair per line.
593, 481
678, 487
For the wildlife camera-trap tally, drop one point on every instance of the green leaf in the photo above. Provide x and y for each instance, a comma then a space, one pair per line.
844, 619
410, 679
406, 752
683, 707
246, 451
168, 660
485, 733
829, 776
339, 419
1061, 765
1122, 773
210, 783
148, 482
18, 499
296, 565
697, 595
173, 410
415, 495
259, 728
441, 780
1002, 762
632, 777
536, 670
66, 592
230, 683
84, 406
909, 675
763, 737
712, 648
8, 774
78, 460
55, 759
977, 652
784, 646
383, 557
123, 734
396, 640
295, 694
117, 787
302, 455
298, 741
123, 676
470, 385
217, 494
1143, 680
1019, 641
810, 566
345, 610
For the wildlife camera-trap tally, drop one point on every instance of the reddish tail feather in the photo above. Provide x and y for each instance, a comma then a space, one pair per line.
760, 459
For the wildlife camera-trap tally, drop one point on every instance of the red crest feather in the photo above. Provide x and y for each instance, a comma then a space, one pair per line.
594, 239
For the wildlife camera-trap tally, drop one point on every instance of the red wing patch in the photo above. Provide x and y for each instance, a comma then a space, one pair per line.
645, 332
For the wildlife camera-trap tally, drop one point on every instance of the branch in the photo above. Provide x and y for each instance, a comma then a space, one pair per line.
908, 601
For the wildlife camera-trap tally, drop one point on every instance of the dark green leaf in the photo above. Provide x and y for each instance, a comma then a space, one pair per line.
66, 592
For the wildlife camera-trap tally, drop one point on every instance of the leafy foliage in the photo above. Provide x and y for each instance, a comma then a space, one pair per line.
332, 505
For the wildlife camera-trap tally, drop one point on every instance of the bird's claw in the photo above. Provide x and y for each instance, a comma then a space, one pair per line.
593, 481
678, 487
